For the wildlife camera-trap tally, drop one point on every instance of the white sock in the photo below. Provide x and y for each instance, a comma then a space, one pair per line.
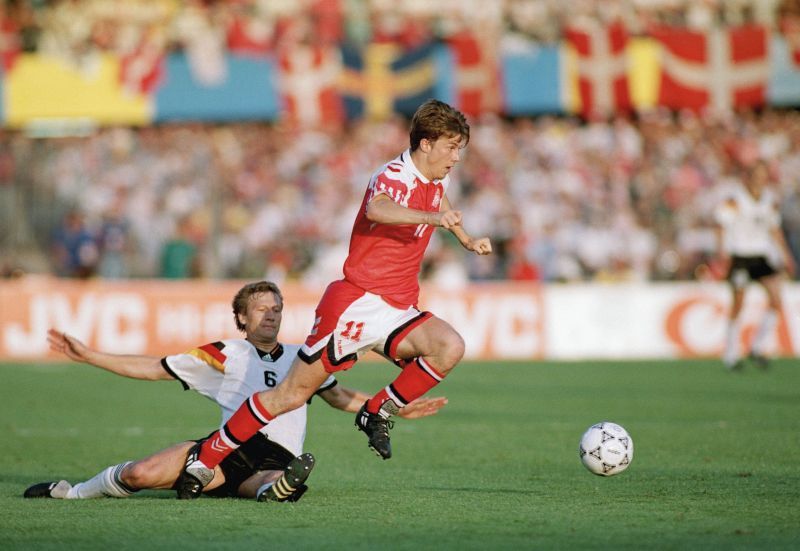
731, 352
765, 331
106, 483
60, 490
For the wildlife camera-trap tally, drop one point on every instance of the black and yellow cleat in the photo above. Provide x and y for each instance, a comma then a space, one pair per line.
291, 485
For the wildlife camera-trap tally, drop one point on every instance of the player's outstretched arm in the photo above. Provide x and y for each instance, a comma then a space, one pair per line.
480, 246
350, 400
127, 365
383, 210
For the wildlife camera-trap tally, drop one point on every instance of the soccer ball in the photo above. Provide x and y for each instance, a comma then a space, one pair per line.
606, 449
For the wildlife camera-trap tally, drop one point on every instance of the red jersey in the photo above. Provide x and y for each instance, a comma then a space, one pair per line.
385, 259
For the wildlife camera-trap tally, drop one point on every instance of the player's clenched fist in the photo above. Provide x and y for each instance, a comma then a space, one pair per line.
449, 218
481, 246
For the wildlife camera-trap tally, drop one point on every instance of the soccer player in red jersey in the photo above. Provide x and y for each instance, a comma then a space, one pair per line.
374, 306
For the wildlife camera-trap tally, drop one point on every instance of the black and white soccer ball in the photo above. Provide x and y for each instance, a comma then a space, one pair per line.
606, 449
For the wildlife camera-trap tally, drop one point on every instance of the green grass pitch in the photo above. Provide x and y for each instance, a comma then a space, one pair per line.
715, 466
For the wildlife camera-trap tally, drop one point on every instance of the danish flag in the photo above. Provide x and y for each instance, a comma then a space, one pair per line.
602, 67
249, 35
477, 77
724, 68
308, 80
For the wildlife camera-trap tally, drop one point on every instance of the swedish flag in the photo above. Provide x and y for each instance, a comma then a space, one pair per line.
383, 79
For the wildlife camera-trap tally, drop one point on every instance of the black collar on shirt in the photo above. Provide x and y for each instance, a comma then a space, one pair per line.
273, 355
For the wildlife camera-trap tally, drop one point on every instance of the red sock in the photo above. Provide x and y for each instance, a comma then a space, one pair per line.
417, 378
244, 423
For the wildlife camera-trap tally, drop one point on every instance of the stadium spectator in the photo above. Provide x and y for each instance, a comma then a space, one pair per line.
374, 306
180, 258
752, 245
75, 247
270, 465
114, 244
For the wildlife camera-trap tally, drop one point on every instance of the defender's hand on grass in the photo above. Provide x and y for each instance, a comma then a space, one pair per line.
422, 407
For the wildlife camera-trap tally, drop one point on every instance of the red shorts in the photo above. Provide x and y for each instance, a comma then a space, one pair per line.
349, 321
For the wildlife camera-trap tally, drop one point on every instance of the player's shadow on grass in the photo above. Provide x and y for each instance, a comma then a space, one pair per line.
479, 490
782, 397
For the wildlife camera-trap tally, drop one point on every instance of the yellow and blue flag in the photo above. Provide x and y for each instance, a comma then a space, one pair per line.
383, 79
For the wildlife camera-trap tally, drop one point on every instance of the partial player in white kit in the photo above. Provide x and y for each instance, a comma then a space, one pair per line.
268, 466
751, 243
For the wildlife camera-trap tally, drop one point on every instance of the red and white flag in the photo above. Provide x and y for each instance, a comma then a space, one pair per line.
141, 70
10, 42
602, 67
477, 76
249, 34
308, 78
721, 69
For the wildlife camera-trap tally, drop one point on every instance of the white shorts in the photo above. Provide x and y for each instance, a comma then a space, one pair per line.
350, 321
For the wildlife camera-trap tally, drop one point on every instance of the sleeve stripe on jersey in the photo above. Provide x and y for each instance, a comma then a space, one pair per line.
168, 369
207, 358
215, 350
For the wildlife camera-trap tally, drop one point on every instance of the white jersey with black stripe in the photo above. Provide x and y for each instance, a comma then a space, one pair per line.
747, 223
230, 371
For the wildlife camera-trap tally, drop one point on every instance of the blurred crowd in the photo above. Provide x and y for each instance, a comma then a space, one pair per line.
133, 29
562, 199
